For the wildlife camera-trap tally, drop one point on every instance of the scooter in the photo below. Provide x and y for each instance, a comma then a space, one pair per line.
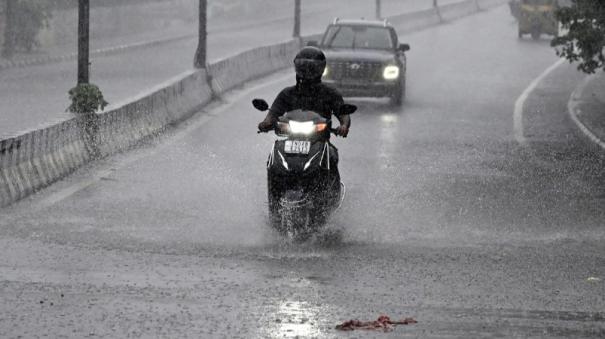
303, 181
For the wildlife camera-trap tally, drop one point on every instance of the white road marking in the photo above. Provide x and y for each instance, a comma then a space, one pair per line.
518, 114
196, 122
572, 108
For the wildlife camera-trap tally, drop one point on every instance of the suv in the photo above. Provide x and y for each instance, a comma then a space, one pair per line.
364, 59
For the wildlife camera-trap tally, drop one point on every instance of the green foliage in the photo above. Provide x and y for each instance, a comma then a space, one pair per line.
86, 99
585, 40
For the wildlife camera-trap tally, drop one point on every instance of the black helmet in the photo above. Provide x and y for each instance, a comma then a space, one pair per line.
310, 63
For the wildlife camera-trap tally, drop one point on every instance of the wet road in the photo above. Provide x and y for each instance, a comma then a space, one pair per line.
447, 218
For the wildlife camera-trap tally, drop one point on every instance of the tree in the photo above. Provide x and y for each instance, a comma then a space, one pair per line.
584, 42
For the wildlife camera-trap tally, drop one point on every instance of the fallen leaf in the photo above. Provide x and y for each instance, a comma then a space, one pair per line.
383, 323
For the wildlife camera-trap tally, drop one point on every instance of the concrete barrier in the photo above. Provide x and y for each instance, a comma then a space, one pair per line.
37, 159
459, 9
233, 71
416, 21
487, 4
151, 113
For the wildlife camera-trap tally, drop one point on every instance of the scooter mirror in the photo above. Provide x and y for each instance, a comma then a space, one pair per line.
347, 109
260, 104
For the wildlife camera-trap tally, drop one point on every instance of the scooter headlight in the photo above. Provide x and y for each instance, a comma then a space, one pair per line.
391, 72
307, 127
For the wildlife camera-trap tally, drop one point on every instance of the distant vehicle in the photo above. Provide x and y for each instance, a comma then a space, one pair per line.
515, 8
537, 17
364, 59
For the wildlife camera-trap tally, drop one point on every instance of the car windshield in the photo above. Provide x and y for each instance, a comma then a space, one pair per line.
358, 37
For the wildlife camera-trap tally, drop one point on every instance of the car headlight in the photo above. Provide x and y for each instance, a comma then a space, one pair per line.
391, 72
306, 127
325, 73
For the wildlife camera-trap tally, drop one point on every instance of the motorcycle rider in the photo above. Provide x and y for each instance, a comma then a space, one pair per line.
309, 93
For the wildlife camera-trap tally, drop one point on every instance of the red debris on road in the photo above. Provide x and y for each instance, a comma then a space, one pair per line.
383, 323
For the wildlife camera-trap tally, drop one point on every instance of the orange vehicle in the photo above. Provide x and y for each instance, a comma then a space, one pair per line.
537, 17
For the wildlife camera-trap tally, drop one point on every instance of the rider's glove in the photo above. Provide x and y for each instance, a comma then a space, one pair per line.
342, 131
266, 125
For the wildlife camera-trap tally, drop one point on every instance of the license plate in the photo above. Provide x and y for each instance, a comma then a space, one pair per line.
297, 147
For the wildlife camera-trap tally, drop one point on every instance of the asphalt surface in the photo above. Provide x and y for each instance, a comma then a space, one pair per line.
447, 218
36, 97
589, 107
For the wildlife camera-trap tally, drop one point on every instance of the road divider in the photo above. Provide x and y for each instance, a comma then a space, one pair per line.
36, 159
234, 71
416, 21
168, 104
580, 100
458, 10
518, 129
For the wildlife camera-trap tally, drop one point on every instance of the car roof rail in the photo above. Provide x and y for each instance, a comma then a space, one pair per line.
336, 19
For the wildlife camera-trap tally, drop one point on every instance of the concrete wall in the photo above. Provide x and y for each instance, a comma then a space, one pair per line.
486, 4
233, 71
36, 159
415, 21
168, 104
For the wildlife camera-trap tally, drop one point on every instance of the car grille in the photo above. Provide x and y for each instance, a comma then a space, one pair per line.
351, 70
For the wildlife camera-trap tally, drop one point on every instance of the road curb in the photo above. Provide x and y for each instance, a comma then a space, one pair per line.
518, 128
573, 108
